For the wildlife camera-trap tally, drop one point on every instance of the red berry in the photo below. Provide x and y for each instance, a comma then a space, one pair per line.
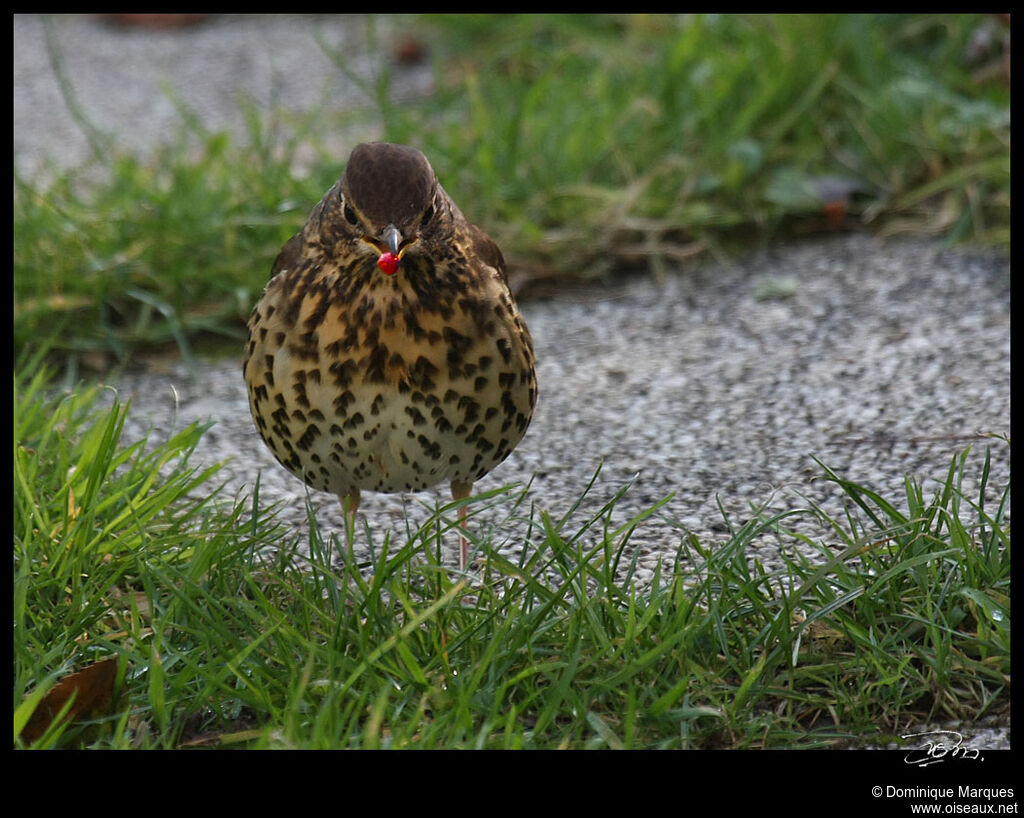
388, 263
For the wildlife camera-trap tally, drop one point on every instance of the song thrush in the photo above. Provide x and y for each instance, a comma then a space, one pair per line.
387, 352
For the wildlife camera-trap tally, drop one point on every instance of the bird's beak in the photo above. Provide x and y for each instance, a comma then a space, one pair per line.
392, 238
389, 259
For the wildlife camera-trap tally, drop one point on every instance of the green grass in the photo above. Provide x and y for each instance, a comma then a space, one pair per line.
583, 143
231, 632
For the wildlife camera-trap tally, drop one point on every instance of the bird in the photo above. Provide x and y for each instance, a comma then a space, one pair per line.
387, 352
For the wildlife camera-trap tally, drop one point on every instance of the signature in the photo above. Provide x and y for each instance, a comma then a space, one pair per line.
950, 745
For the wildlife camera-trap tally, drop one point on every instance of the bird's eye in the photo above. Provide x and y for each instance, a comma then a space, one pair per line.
428, 214
350, 215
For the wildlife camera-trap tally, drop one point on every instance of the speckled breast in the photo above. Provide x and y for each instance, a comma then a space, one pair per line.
388, 383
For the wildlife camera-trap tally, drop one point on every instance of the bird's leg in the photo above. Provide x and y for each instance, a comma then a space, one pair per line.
460, 491
349, 507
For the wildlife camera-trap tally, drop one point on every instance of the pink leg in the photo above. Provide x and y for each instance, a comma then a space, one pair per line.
460, 491
349, 507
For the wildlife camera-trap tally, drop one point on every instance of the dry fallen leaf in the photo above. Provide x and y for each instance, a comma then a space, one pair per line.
92, 687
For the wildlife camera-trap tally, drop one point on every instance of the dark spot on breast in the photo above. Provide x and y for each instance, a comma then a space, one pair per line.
343, 372
311, 433
376, 364
457, 344
423, 372
342, 402
416, 415
431, 449
470, 407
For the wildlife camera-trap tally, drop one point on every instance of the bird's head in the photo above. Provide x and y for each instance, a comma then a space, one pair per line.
389, 200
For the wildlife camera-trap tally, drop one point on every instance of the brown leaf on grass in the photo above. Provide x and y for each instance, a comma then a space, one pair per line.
93, 691
155, 21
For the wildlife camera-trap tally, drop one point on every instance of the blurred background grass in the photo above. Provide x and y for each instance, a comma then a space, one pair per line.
585, 144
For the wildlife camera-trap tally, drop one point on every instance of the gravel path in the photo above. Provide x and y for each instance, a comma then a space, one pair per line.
880, 358
885, 359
